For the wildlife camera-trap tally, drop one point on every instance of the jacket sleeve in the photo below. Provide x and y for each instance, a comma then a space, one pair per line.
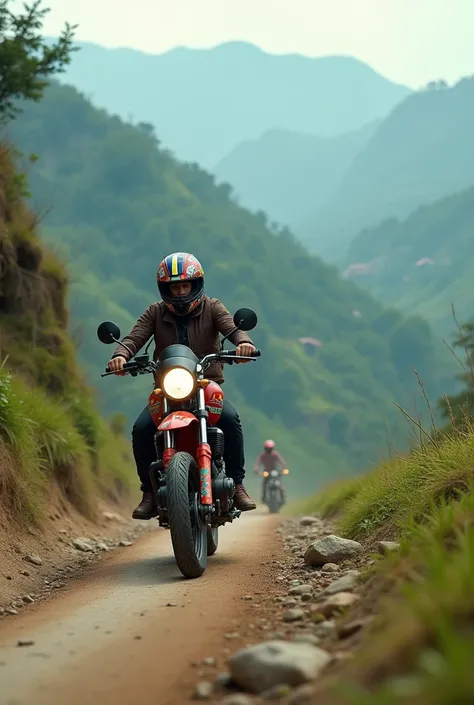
138, 336
258, 463
281, 460
224, 323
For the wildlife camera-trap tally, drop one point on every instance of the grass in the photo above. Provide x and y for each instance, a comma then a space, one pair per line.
50, 431
420, 649
44, 440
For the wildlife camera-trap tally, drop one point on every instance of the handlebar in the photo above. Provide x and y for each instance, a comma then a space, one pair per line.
137, 367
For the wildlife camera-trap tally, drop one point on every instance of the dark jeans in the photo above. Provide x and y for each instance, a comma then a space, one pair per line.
143, 435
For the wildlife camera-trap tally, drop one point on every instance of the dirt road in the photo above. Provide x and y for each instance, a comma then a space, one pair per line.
128, 630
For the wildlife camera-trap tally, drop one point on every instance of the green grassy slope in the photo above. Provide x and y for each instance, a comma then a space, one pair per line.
50, 431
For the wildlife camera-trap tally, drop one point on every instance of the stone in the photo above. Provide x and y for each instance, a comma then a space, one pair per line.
236, 699
331, 549
123, 542
307, 637
262, 666
300, 590
293, 615
387, 547
336, 603
33, 559
25, 642
27, 599
330, 568
346, 583
325, 628
203, 690
82, 545
102, 546
309, 521
222, 680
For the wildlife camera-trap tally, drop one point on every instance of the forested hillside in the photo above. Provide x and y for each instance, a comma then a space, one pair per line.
423, 151
114, 202
205, 102
288, 174
422, 264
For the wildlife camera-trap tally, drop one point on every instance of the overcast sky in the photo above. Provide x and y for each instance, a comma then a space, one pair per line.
410, 41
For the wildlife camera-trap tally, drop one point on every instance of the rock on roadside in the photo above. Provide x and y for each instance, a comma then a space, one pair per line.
331, 549
386, 547
82, 545
347, 583
263, 666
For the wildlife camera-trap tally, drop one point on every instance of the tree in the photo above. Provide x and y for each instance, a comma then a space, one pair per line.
27, 61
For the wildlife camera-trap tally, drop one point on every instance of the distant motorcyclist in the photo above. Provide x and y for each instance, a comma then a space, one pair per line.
269, 459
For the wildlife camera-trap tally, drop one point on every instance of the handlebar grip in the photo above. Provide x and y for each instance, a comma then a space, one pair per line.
127, 366
233, 353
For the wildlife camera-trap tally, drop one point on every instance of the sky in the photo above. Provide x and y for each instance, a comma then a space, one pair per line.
409, 41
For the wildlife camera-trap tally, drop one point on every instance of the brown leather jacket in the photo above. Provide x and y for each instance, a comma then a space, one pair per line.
208, 320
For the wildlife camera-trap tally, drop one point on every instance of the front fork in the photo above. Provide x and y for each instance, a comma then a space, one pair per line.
203, 452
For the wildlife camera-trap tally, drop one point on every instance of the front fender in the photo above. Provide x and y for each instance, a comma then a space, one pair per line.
177, 419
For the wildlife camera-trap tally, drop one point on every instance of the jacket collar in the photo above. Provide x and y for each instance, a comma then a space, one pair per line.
171, 318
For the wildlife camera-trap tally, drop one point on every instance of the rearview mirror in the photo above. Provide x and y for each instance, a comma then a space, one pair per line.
245, 319
108, 332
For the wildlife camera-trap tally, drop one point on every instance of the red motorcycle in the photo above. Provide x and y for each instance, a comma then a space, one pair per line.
193, 494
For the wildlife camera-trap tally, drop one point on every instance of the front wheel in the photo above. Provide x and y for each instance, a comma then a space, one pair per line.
274, 505
189, 532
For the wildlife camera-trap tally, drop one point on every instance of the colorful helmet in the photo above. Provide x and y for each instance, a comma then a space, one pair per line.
176, 268
269, 445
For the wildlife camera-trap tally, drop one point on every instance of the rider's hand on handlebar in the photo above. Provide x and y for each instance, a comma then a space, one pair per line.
116, 365
244, 349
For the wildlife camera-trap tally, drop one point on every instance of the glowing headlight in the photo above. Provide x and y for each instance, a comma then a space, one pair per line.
178, 383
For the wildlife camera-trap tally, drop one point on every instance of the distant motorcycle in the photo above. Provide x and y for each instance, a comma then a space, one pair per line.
193, 494
274, 496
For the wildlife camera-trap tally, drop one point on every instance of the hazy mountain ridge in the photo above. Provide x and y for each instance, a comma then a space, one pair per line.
205, 102
288, 174
422, 151
422, 264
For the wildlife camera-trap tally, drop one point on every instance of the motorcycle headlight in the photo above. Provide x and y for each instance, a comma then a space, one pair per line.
178, 383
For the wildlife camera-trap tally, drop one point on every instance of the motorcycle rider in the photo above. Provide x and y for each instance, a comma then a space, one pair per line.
269, 458
185, 315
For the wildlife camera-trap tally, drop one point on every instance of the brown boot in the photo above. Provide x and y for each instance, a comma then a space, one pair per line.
147, 507
242, 500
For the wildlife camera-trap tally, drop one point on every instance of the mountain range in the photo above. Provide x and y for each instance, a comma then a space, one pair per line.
289, 174
422, 151
422, 264
204, 102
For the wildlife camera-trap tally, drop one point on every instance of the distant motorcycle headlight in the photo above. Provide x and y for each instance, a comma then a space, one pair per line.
178, 383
